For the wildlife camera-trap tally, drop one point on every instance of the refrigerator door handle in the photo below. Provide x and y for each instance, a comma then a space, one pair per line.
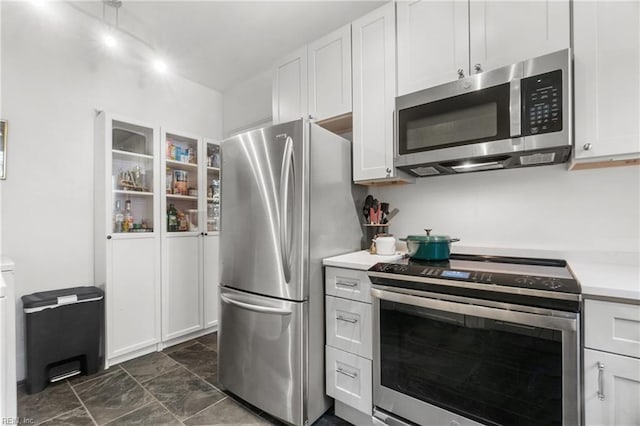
255, 308
285, 174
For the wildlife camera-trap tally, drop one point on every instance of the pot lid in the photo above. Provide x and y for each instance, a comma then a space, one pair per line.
428, 238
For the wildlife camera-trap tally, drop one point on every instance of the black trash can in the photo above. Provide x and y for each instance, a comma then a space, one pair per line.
64, 332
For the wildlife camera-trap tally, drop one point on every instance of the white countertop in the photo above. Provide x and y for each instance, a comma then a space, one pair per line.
362, 260
615, 277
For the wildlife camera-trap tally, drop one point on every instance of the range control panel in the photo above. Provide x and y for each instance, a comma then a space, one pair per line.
542, 103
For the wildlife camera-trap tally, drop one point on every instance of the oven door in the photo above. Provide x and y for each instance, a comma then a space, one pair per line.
437, 361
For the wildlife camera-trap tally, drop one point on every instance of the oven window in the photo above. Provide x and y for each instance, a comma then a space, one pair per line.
490, 371
478, 116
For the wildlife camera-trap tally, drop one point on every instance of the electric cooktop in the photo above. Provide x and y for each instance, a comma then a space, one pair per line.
547, 283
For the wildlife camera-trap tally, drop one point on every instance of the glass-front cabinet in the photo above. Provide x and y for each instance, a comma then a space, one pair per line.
181, 182
213, 186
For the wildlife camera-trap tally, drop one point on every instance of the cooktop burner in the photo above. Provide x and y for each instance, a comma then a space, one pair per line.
512, 279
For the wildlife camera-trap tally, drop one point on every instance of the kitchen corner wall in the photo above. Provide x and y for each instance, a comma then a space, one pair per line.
542, 208
54, 75
247, 105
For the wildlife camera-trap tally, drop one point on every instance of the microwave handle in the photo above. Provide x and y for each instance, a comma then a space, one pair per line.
515, 108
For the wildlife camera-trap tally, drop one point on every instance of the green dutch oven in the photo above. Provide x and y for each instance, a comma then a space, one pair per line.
429, 247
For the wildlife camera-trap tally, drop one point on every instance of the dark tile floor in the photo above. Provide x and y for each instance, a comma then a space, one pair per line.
178, 386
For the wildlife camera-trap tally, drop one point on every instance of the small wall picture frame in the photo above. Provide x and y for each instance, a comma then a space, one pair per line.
3, 149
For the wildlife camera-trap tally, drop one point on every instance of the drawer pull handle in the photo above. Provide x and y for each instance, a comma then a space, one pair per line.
601, 381
351, 320
347, 283
346, 373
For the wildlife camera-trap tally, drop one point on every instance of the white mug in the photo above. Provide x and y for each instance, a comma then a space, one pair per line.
385, 246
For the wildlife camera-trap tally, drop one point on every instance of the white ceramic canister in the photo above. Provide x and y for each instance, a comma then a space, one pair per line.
385, 246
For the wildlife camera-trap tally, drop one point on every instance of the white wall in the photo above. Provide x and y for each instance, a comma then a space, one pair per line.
248, 104
542, 208
53, 77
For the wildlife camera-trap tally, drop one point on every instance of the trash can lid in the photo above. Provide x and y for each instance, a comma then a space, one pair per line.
63, 296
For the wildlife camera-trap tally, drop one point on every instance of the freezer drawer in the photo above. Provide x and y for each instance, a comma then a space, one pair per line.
261, 352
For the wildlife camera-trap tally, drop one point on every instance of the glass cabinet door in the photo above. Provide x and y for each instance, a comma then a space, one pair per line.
181, 183
132, 159
213, 187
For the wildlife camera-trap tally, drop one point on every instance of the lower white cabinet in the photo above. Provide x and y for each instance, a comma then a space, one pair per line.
611, 363
8, 404
349, 337
181, 286
211, 271
349, 379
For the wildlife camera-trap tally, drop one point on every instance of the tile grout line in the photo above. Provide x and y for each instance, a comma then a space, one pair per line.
152, 395
207, 407
82, 403
112, 370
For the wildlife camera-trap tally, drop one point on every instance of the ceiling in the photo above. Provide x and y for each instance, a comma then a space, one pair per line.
221, 43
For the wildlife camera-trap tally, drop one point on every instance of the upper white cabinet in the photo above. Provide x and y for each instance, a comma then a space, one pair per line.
440, 41
433, 43
374, 91
290, 87
329, 72
504, 32
607, 79
314, 81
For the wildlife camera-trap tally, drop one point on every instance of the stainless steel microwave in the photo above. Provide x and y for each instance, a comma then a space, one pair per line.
515, 116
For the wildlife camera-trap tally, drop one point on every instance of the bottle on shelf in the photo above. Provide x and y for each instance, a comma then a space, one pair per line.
172, 218
118, 218
127, 224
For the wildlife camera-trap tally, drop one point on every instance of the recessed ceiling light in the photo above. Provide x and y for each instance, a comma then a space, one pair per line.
160, 65
109, 40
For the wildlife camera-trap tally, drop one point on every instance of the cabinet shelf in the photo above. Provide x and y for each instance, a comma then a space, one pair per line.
182, 197
213, 169
134, 193
181, 165
130, 155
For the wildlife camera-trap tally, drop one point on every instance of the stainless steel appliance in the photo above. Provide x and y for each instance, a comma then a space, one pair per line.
286, 204
516, 116
476, 340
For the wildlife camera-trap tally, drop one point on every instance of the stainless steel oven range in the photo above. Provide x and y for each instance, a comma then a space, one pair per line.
476, 340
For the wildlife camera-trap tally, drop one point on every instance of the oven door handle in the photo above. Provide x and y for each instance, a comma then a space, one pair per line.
535, 320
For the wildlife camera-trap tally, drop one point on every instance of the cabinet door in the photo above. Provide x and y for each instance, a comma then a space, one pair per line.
210, 263
182, 293
290, 87
374, 80
433, 43
617, 378
330, 75
133, 295
504, 32
3, 356
607, 78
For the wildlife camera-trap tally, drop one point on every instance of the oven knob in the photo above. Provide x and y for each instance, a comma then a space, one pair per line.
552, 284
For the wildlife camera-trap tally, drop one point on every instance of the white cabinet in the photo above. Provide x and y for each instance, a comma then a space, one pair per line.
314, 81
290, 87
433, 43
607, 79
374, 91
127, 234
349, 338
8, 401
329, 71
438, 41
504, 32
189, 242
611, 363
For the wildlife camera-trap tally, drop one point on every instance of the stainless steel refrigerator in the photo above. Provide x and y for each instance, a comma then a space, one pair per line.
287, 203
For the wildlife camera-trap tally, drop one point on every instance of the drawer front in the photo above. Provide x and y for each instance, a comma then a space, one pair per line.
612, 327
349, 326
348, 283
349, 379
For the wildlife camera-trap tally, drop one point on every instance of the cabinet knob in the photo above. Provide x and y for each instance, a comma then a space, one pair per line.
206, 234
388, 171
202, 233
108, 237
586, 146
477, 68
460, 73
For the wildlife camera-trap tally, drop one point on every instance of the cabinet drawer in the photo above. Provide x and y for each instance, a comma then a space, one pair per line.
348, 283
349, 379
612, 327
349, 325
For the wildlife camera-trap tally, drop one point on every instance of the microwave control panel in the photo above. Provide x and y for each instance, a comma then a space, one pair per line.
542, 103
